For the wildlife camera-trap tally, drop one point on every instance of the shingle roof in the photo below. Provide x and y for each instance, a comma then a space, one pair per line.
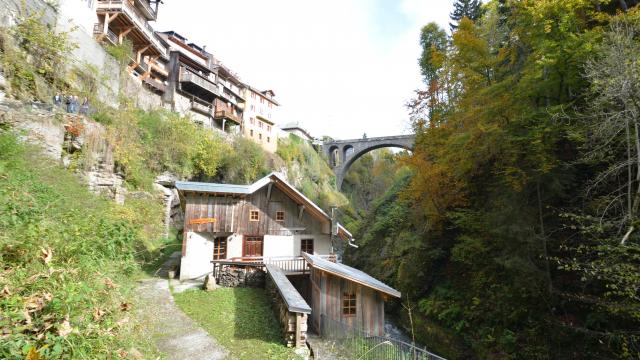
349, 273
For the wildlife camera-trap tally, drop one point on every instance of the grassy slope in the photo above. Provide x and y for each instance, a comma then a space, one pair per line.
240, 319
68, 263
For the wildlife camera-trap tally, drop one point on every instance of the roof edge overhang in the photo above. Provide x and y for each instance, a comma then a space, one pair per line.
393, 292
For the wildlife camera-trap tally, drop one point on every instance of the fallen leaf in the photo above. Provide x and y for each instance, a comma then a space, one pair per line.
37, 301
125, 306
27, 317
122, 353
47, 255
65, 328
109, 283
5, 291
98, 314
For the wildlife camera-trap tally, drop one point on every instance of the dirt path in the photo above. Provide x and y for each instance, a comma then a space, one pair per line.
174, 333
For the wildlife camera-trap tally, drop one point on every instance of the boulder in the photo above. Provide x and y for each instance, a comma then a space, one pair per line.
210, 283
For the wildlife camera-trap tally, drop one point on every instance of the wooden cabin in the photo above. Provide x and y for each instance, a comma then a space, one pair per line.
268, 221
344, 295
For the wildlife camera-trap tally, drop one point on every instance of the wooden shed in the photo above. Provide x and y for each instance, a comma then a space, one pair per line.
345, 295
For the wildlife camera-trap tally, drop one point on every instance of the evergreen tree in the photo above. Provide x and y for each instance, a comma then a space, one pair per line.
471, 9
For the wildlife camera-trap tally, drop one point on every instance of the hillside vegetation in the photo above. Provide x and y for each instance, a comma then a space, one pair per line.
515, 233
69, 260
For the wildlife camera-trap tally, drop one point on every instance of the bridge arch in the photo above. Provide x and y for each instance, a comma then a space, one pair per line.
349, 151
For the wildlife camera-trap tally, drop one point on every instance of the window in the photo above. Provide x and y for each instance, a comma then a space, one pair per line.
253, 107
219, 248
268, 128
260, 124
279, 215
254, 215
348, 303
252, 121
306, 245
251, 133
268, 139
259, 136
261, 100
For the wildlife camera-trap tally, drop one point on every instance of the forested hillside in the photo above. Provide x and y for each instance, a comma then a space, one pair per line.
514, 233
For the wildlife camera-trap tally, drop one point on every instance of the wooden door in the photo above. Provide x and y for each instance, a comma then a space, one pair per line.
253, 246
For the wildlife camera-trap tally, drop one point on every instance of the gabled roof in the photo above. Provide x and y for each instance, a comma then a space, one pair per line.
243, 190
349, 273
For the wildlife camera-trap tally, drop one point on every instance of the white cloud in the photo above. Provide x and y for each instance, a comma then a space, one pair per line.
333, 67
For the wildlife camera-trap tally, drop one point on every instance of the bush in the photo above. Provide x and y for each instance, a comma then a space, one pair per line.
34, 58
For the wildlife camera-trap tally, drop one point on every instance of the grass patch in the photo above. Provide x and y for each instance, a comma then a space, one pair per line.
241, 319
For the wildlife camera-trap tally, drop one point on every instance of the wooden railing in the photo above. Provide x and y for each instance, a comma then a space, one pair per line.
144, 6
187, 75
226, 114
133, 13
286, 263
110, 35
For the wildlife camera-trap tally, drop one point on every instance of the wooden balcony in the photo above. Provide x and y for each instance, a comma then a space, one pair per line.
188, 76
155, 85
228, 115
145, 9
136, 18
110, 36
206, 109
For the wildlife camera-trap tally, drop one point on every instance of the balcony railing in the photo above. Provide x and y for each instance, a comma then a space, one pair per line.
199, 107
146, 9
226, 114
286, 263
110, 35
156, 85
133, 13
202, 82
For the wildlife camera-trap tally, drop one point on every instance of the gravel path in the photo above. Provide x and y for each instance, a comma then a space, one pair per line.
174, 333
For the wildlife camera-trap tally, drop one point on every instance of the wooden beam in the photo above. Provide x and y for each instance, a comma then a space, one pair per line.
269, 192
301, 211
123, 34
139, 53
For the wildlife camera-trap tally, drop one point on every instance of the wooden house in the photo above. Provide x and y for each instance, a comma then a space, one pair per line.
344, 295
267, 221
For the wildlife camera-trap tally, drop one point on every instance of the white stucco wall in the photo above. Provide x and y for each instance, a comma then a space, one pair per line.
279, 246
196, 262
234, 246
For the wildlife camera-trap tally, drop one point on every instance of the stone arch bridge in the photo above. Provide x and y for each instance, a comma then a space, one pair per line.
341, 154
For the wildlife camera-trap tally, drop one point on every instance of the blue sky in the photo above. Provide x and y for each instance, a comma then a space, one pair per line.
338, 67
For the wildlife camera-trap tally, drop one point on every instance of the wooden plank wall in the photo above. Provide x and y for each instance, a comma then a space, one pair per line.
327, 300
232, 214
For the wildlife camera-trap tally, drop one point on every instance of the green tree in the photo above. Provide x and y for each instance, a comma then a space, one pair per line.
471, 9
